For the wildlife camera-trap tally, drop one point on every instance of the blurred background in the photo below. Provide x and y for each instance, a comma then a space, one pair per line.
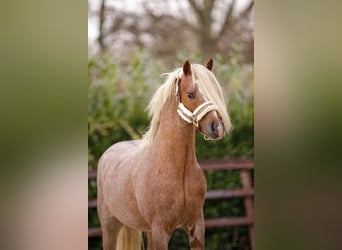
130, 44
165, 28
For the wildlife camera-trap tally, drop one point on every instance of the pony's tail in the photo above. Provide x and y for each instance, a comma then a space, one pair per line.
129, 239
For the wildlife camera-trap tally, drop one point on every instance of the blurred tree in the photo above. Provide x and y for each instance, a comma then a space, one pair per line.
231, 30
163, 27
101, 22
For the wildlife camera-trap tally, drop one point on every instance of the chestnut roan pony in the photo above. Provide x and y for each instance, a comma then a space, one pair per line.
155, 184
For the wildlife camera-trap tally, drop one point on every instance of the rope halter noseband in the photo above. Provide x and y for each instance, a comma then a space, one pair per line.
195, 116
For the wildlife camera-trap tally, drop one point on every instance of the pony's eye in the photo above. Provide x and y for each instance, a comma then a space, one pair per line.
190, 95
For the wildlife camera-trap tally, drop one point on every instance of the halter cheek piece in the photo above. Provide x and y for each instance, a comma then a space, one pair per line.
195, 116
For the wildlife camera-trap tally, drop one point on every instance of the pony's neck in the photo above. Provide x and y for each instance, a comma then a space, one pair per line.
175, 139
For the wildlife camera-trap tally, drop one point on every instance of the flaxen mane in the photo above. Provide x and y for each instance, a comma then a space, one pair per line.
208, 85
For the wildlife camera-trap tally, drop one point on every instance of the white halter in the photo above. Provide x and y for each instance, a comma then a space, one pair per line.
199, 112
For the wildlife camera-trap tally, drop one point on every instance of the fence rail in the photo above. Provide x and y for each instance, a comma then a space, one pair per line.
247, 192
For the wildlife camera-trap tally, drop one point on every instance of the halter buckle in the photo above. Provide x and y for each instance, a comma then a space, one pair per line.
195, 122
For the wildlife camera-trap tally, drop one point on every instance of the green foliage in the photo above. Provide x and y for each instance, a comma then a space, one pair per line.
118, 94
117, 97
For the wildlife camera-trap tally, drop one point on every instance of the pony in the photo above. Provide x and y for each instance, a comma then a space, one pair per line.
155, 185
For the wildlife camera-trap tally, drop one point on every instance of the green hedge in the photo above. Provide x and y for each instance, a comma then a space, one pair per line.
118, 93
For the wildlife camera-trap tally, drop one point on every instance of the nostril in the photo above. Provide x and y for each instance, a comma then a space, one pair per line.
214, 126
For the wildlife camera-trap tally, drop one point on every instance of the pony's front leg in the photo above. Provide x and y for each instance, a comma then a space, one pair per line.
158, 239
196, 234
149, 241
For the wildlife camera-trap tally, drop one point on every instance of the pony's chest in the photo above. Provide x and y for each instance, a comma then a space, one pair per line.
194, 187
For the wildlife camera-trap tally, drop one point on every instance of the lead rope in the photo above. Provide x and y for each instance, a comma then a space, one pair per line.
197, 115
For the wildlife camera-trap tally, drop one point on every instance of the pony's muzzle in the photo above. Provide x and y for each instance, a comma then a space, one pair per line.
217, 130
214, 130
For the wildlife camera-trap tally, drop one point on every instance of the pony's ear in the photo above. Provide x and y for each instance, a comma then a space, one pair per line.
209, 64
186, 68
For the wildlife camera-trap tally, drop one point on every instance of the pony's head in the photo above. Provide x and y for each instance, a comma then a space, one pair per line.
200, 100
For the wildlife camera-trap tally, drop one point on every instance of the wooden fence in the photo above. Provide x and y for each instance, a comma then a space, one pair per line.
246, 192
